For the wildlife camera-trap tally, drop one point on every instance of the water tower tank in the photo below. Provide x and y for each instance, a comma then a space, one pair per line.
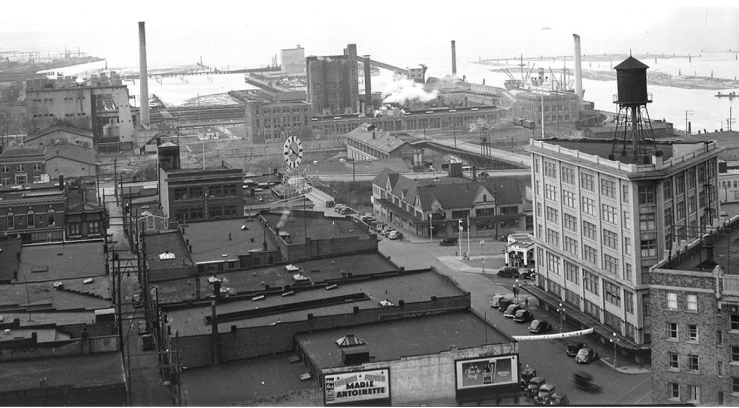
631, 78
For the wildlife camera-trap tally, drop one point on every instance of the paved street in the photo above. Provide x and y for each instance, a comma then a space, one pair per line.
547, 356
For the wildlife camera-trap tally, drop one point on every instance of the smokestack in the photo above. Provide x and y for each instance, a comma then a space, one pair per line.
143, 76
368, 108
578, 70
454, 59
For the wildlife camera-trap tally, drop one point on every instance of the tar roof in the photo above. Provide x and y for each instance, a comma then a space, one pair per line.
171, 243
604, 148
408, 287
723, 252
88, 370
371, 136
225, 240
253, 280
61, 261
70, 152
392, 340
9, 248
298, 225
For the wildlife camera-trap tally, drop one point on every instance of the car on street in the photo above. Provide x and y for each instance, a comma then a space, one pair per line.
495, 301
539, 326
512, 309
586, 355
58, 285
508, 272
523, 316
528, 274
533, 387
395, 235
574, 348
448, 241
504, 303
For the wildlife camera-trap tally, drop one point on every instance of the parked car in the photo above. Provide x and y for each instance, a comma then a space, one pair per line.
142, 327
533, 388
512, 309
495, 302
574, 348
586, 355
508, 272
539, 326
528, 274
214, 279
504, 303
548, 396
386, 232
523, 316
526, 376
395, 235
448, 241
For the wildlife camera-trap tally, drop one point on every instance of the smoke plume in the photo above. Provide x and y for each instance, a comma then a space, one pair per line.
284, 219
403, 89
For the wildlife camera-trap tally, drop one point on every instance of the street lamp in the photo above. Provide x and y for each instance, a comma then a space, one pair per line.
482, 253
561, 311
517, 289
614, 349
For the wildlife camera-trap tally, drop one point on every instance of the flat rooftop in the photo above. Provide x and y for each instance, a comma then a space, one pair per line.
225, 240
41, 263
252, 280
410, 287
394, 339
724, 253
604, 148
317, 227
87, 370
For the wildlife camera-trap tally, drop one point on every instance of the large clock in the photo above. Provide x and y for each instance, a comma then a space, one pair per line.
293, 150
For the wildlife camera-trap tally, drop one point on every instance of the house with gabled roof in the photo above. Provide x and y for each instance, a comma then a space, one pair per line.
56, 133
440, 206
366, 142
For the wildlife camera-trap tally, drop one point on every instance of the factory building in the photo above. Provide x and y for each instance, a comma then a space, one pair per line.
293, 60
333, 84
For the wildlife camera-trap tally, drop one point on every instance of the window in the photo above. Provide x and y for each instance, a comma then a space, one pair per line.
672, 331
590, 254
5, 168
627, 272
568, 175
719, 338
646, 194
610, 264
552, 237
691, 205
694, 393
538, 187
692, 302
550, 192
692, 332
680, 210
587, 182
628, 301
674, 390
734, 321
572, 272
553, 263
608, 188
571, 245
674, 360
608, 213
627, 246
720, 368
691, 179
196, 192
625, 194
570, 222
550, 169
647, 221
734, 354
214, 191
569, 199
93, 227
649, 244
613, 293
536, 165
229, 190
538, 209
627, 220
590, 281
679, 184
180, 194
10, 220
50, 217
692, 362
672, 301
37, 167
668, 216
610, 239
588, 206
21, 167
552, 214
589, 230
30, 220
74, 229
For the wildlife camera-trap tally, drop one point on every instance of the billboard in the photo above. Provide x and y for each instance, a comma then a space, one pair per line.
356, 386
487, 372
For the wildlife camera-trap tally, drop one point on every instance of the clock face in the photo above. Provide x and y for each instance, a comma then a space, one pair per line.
293, 150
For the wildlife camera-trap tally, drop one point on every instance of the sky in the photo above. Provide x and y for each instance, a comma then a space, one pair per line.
255, 31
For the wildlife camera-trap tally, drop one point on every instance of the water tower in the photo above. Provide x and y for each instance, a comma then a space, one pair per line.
633, 127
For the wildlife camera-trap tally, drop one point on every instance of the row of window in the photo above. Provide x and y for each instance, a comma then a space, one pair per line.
187, 214
191, 193
30, 218
7, 168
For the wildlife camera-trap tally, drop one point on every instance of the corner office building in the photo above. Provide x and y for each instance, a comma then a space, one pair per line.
602, 220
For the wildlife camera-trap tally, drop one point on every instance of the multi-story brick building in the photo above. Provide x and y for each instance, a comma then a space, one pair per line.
101, 105
333, 84
602, 220
694, 310
272, 115
22, 165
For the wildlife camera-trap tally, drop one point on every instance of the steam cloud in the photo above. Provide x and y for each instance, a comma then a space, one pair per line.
402, 90
284, 219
